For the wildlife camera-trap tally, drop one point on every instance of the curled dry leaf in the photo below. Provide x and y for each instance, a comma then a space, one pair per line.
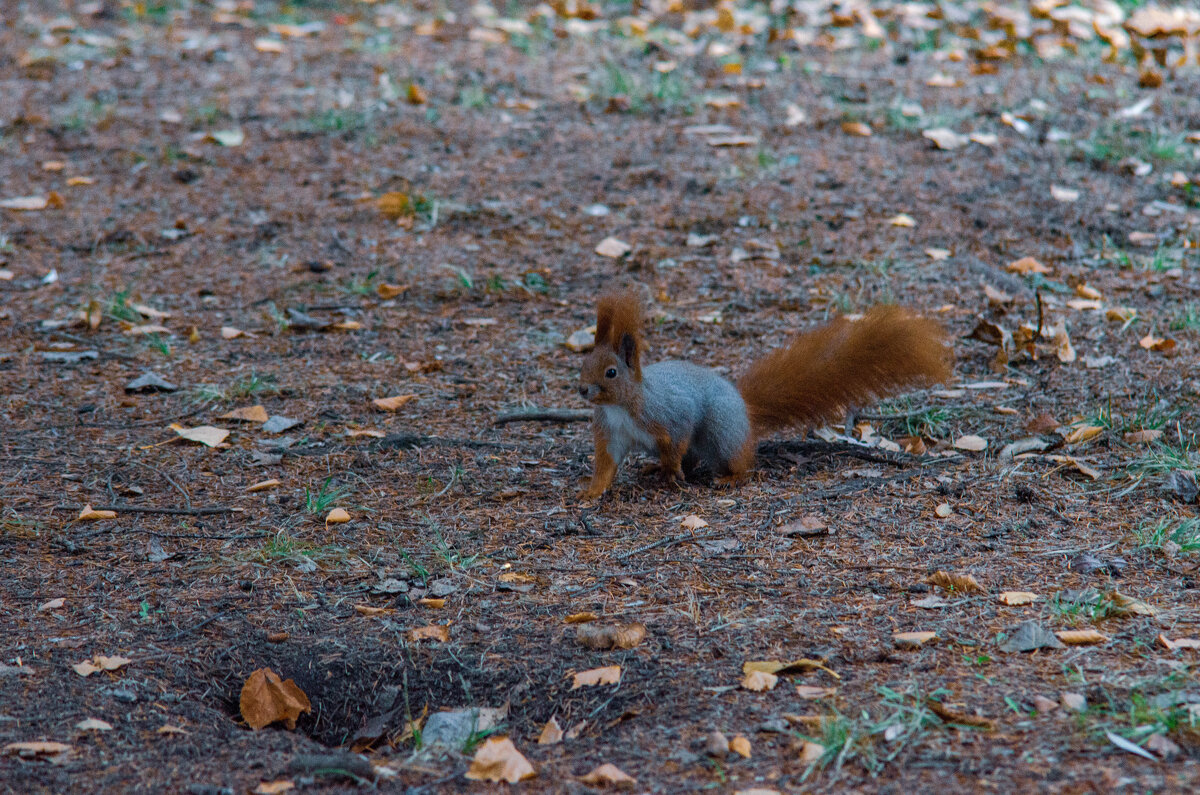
552, 733
608, 675
36, 748
611, 636
1027, 265
971, 443
608, 775
438, 632
274, 787
390, 291
231, 333
759, 681
856, 128
740, 745
392, 403
913, 640
963, 583
945, 138
247, 414
961, 718
265, 698
1081, 637
1157, 344
499, 760
262, 485
1015, 598
692, 522
1181, 643
1120, 314
1063, 348
53, 604
337, 516
1078, 465
1123, 605
369, 611
207, 435
90, 514
814, 692
799, 666
1145, 436
432, 603
581, 618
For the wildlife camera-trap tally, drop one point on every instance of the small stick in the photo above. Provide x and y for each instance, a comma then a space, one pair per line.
165, 511
546, 415
667, 542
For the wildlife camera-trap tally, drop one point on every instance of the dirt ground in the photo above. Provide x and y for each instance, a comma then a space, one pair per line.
335, 202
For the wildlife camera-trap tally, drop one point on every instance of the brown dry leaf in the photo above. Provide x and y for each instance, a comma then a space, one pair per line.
1159, 344
36, 748
394, 205
393, 403
517, 577
1145, 436
581, 618
90, 514
759, 681
273, 787
247, 414
1124, 605
552, 733
1121, 314
1084, 433
943, 510
499, 760
167, 728
1081, 637
996, 297
146, 328
337, 516
962, 583
1182, 643
415, 94
76, 181
1015, 598
262, 485
1063, 348
433, 603
902, 219
207, 435
85, 668
961, 718
971, 443
813, 692
856, 128
611, 636
1042, 423
231, 333
811, 752
265, 698
807, 525
390, 291
53, 604
913, 640
608, 675
438, 632
93, 724
608, 775
1027, 265
1080, 466
110, 663
740, 745
945, 138
369, 611
1088, 292
613, 248
692, 522
798, 666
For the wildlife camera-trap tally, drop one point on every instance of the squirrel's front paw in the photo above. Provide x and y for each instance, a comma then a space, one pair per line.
590, 493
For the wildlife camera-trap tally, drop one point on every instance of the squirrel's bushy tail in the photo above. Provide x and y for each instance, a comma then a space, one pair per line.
844, 364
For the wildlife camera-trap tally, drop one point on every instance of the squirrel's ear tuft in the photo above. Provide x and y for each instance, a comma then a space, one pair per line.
628, 350
619, 315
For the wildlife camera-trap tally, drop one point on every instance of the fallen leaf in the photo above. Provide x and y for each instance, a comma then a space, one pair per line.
1181, 643
265, 699
1123, 605
1144, 436
802, 665
1015, 598
75, 181
147, 328
247, 414
856, 128
204, 434
943, 510
740, 745
1080, 637
90, 514
36, 748
1027, 265
1126, 745
415, 94
370, 612
1159, 344
945, 138
167, 728
580, 618
962, 583
1084, 433
262, 485
913, 640
608, 775
971, 443
93, 724
814, 692
1080, 466
390, 291
552, 733
392, 403
603, 637
274, 787
1063, 348
692, 522
807, 525
1063, 194
432, 603
337, 516
961, 718
811, 753
227, 137
582, 340
608, 675
613, 248
231, 333
30, 203
937, 254
759, 681
353, 432
85, 668
53, 604
499, 760
438, 632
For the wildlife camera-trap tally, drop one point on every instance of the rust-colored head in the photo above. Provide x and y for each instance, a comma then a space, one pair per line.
612, 372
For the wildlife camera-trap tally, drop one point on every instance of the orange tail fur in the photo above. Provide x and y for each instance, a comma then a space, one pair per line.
844, 364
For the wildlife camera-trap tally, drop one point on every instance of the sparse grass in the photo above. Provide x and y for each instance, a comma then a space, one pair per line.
6, 245
1164, 457
117, 307
246, 386
473, 95
659, 91
1087, 606
1185, 533
326, 498
361, 285
1114, 141
159, 344
1186, 319
334, 121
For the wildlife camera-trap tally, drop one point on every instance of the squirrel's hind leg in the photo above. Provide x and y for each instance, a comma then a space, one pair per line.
738, 468
670, 455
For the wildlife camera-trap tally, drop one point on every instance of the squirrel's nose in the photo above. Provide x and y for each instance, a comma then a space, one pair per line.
583, 390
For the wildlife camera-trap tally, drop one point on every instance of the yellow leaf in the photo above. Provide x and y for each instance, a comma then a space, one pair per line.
608, 775
389, 291
415, 94
802, 665
1063, 348
262, 485
1015, 598
204, 434
392, 403
1087, 291
856, 128
1120, 314
337, 516
580, 618
53, 165
265, 698
759, 681
90, 514
963, 583
1159, 344
273, 46
247, 414
432, 603
73, 181
1081, 637
1028, 265
913, 639
1123, 605
740, 746
608, 675
438, 632
394, 204
1084, 433
499, 760
552, 733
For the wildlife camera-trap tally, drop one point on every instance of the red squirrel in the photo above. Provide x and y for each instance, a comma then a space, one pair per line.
694, 419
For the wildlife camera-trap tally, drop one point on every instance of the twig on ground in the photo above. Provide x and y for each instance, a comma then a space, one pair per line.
216, 509
545, 415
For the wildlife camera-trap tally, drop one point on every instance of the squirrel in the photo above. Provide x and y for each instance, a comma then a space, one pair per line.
694, 420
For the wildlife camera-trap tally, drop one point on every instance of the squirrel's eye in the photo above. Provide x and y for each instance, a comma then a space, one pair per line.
610, 372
